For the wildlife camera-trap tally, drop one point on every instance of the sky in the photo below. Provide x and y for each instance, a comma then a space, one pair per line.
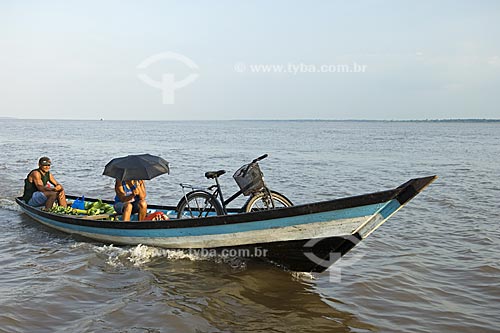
216, 60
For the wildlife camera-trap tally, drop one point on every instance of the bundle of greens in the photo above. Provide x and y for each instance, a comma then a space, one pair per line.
91, 208
63, 210
99, 207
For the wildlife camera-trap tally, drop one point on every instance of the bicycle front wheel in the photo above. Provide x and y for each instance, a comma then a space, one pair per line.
198, 204
266, 200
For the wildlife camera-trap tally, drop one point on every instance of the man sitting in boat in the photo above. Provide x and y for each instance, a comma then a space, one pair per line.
130, 199
37, 186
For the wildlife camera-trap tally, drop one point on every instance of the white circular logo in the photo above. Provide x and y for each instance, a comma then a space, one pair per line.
168, 85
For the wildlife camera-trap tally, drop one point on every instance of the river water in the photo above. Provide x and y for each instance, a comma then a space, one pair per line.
433, 267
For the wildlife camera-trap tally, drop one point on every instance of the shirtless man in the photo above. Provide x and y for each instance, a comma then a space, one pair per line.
37, 189
130, 198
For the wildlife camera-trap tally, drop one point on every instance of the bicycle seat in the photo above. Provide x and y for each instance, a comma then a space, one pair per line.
214, 174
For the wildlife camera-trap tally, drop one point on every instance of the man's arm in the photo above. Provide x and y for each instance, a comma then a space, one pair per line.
37, 180
57, 186
141, 190
121, 193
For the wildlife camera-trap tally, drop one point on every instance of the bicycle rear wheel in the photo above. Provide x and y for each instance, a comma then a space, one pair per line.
198, 204
266, 200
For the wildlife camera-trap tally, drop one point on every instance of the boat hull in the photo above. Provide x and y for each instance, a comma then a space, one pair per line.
300, 238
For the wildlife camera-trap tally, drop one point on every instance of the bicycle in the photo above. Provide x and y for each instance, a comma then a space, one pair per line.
202, 203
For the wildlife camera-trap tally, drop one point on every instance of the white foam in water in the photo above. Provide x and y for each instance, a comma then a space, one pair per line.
303, 276
9, 204
141, 255
114, 254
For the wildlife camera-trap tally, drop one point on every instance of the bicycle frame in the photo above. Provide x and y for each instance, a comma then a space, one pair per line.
217, 194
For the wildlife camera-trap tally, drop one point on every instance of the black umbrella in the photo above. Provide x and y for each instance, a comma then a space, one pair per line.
136, 167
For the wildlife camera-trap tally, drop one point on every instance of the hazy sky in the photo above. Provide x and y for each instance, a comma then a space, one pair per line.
250, 59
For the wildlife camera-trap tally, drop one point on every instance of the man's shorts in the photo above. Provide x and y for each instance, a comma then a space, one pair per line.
38, 199
119, 207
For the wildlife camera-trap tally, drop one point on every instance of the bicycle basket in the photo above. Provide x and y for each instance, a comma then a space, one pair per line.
249, 180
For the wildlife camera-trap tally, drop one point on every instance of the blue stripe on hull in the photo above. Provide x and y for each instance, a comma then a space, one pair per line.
220, 229
390, 208
377, 220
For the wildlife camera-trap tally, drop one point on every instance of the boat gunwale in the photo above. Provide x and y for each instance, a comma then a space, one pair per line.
402, 193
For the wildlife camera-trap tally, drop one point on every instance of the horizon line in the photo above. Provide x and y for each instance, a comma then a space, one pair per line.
290, 119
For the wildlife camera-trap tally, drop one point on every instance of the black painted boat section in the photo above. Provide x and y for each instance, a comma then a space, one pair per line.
413, 187
306, 255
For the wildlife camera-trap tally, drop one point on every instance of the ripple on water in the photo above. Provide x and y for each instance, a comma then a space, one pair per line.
431, 268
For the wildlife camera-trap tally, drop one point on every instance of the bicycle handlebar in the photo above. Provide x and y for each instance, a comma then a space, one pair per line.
259, 158
253, 162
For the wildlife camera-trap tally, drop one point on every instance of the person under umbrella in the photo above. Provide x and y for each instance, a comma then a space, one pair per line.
130, 172
130, 198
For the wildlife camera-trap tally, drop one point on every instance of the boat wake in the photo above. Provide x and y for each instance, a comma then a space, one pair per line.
302, 276
142, 255
9, 204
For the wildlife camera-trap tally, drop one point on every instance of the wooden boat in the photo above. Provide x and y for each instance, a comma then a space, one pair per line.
306, 238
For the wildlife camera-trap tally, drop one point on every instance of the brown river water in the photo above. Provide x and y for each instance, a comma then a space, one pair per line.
433, 267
